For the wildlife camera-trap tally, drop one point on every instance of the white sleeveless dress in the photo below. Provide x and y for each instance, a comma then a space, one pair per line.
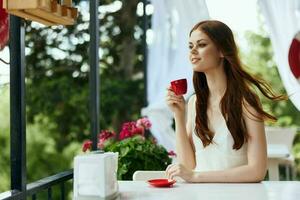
219, 155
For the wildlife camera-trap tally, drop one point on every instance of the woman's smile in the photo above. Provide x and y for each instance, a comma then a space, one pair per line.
195, 60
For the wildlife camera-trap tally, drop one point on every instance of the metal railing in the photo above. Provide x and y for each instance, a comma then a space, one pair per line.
45, 184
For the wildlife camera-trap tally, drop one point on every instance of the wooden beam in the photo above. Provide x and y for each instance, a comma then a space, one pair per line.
47, 12
52, 17
67, 3
31, 17
46, 4
21, 4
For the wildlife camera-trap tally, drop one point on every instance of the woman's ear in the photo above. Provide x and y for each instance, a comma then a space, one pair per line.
221, 54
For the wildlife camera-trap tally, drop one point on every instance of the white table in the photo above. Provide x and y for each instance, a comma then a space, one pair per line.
268, 190
186, 191
275, 153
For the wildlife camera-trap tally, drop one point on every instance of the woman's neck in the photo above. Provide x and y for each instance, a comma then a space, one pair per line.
217, 83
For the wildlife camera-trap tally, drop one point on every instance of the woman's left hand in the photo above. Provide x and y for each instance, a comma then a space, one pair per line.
179, 170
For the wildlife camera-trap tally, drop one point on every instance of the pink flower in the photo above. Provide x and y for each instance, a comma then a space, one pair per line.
103, 136
172, 153
106, 134
87, 145
100, 145
144, 122
130, 129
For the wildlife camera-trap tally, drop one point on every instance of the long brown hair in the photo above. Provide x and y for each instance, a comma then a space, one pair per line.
238, 92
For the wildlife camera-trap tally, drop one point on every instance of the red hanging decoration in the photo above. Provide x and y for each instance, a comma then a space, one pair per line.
294, 57
3, 26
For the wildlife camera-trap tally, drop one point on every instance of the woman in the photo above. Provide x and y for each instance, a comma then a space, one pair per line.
221, 138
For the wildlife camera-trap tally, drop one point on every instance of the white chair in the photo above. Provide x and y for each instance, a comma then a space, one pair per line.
283, 136
146, 175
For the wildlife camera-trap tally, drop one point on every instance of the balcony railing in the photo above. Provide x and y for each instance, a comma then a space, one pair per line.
45, 184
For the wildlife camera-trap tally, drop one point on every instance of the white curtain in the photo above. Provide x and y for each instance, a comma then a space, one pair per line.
168, 59
283, 20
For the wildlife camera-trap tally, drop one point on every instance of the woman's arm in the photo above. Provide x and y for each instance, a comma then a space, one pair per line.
183, 131
184, 144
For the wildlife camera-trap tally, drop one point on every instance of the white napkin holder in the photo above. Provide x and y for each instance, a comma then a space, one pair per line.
95, 175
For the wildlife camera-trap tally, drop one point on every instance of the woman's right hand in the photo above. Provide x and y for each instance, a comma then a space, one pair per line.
175, 102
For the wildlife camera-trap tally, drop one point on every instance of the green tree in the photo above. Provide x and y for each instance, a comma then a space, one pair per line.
4, 139
57, 72
42, 156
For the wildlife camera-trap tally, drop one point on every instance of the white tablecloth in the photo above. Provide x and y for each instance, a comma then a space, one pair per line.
186, 191
269, 190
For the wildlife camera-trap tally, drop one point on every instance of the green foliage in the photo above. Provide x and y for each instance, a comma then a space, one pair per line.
42, 156
57, 72
43, 159
138, 153
4, 140
122, 99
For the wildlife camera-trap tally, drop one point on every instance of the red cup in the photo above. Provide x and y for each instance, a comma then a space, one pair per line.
179, 86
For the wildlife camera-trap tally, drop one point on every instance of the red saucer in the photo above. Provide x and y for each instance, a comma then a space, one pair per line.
161, 182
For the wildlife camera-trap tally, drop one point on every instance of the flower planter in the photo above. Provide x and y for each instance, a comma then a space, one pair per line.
47, 12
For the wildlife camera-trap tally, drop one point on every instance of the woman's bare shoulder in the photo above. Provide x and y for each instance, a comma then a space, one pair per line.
249, 112
192, 99
191, 106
